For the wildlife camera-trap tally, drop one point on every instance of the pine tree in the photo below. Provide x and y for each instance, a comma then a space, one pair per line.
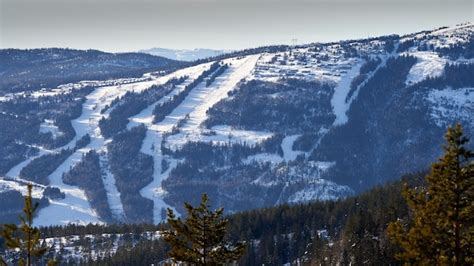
26, 238
441, 231
199, 240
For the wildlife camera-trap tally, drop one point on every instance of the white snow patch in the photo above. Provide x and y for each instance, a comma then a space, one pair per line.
428, 64
113, 195
320, 189
264, 158
287, 146
450, 105
221, 134
48, 126
338, 101
202, 98
6, 185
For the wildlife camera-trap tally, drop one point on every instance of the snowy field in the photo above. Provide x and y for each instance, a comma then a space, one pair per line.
451, 103
428, 64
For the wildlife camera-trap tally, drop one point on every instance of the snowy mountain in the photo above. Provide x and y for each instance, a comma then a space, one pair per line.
255, 128
183, 54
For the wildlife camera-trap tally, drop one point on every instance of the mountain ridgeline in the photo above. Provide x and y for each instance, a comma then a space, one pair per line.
119, 138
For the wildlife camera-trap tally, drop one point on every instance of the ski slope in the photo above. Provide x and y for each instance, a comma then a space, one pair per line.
428, 64
75, 208
202, 98
194, 106
338, 102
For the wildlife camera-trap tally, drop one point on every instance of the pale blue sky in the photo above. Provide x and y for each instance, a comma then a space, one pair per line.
126, 25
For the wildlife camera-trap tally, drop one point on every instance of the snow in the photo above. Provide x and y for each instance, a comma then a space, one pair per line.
338, 102
69, 87
146, 115
320, 189
221, 134
75, 208
7, 185
263, 158
451, 35
113, 195
194, 106
152, 143
428, 64
300, 63
202, 98
15, 171
450, 105
287, 146
48, 126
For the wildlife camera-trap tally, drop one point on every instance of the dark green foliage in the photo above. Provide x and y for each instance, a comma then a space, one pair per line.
11, 206
217, 170
12, 154
146, 252
454, 76
83, 142
87, 175
455, 51
53, 193
13, 151
440, 229
218, 72
355, 226
25, 239
278, 107
370, 65
24, 116
199, 239
372, 146
40, 168
132, 170
403, 46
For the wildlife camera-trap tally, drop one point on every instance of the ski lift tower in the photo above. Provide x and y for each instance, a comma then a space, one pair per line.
294, 42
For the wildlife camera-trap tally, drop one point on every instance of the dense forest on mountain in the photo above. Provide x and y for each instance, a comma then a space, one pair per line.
132, 171
328, 232
87, 175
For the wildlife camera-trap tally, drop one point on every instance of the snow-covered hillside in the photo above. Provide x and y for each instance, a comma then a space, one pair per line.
293, 125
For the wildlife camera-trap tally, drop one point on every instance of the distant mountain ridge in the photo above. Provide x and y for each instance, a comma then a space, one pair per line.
32, 69
183, 54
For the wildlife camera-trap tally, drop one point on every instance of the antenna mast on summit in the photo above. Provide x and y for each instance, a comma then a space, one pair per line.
294, 41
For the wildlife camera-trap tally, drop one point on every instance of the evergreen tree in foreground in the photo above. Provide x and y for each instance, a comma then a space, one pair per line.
442, 229
199, 240
25, 238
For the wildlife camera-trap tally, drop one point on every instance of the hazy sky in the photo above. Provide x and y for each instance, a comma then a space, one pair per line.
128, 25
